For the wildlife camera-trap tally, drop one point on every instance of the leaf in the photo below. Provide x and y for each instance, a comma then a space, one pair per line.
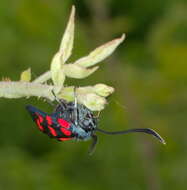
76, 71
57, 73
100, 53
26, 75
66, 45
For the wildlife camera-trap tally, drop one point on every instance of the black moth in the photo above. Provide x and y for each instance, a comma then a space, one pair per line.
75, 121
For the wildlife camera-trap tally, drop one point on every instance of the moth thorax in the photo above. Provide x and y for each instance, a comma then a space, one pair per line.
81, 115
85, 118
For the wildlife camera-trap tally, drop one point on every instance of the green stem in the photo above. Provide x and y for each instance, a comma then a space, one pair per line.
25, 89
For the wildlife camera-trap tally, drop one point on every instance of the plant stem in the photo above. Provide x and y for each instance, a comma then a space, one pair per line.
25, 89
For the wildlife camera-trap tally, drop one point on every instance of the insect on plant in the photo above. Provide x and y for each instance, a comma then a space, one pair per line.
75, 121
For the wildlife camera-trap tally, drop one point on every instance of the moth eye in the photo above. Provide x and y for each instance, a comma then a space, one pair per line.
86, 122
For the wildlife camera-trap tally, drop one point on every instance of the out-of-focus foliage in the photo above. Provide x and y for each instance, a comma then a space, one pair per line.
148, 71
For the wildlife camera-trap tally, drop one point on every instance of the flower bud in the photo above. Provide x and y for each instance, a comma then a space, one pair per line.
26, 75
92, 101
103, 90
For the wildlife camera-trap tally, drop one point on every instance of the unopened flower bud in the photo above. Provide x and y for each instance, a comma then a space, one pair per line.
103, 90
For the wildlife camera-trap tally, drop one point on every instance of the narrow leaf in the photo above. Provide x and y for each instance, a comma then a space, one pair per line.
76, 71
100, 53
57, 74
66, 45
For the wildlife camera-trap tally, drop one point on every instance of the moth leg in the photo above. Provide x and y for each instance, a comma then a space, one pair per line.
75, 107
93, 145
50, 102
97, 115
52, 91
57, 99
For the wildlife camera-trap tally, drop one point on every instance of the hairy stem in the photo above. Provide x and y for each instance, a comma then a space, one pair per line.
25, 89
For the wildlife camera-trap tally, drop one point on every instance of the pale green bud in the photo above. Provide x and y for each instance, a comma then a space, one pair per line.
92, 101
103, 90
26, 75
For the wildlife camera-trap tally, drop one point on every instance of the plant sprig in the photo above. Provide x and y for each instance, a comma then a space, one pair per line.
93, 97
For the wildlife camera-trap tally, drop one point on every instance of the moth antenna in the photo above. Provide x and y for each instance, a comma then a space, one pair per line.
93, 145
141, 130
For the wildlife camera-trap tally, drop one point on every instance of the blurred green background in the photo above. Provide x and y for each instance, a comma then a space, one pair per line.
148, 71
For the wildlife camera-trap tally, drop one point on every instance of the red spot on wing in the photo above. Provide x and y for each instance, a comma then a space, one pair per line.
63, 123
49, 120
40, 118
64, 139
53, 132
39, 124
65, 131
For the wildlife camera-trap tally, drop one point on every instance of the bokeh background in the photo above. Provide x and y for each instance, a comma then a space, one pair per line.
148, 71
